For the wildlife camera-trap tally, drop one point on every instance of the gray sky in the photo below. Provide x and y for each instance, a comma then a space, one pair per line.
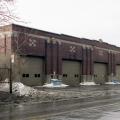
93, 19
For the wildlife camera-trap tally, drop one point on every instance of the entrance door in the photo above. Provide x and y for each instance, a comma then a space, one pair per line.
100, 72
118, 72
32, 71
71, 72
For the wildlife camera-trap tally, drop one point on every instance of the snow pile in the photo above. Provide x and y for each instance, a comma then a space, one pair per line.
88, 83
20, 89
51, 85
55, 83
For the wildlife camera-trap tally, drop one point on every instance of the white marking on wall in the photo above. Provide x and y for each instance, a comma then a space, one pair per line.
72, 49
32, 43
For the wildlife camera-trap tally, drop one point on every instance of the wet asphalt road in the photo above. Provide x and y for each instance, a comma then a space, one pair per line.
100, 108
102, 112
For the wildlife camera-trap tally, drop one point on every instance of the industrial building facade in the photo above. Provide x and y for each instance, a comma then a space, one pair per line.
41, 55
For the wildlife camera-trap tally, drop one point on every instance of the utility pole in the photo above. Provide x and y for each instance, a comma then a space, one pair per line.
11, 62
10, 77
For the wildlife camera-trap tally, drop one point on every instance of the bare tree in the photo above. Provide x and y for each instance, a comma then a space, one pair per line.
19, 47
6, 17
6, 13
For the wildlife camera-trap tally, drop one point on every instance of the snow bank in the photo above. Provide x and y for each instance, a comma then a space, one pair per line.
88, 83
51, 85
112, 83
20, 89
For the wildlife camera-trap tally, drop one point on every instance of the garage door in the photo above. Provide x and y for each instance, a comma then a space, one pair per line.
32, 71
118, 72
100, 72
71, 72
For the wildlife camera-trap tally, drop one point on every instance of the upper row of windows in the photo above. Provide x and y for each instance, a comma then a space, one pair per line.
76, 75
27, 75
38, 75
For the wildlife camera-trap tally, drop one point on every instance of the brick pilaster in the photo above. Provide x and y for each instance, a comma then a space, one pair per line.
48, 57
109, 63
59, 58
84, 61
91, 62
54, 56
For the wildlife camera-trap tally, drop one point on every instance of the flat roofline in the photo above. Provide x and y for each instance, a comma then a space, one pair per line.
61, 36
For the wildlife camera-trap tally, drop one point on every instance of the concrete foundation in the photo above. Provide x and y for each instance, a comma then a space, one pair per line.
48, 78
87, 78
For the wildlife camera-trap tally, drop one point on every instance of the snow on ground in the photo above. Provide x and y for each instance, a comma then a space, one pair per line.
55, 83
20, 89
92, 83
112, 83
25, 93
51, 85
88, 83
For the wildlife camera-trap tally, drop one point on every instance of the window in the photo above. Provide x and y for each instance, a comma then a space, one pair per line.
76, 75
51, 76
25, 75
64, 75
37, 75
95, 75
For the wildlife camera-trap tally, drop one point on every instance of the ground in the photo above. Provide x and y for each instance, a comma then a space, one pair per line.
40, 94
100, 102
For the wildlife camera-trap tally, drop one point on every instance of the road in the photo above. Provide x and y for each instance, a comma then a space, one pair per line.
101, 112
103, 108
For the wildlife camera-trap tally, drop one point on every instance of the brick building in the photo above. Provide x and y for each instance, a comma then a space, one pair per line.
40, 54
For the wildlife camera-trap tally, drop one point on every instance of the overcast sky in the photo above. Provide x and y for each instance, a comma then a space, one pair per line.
93, 19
